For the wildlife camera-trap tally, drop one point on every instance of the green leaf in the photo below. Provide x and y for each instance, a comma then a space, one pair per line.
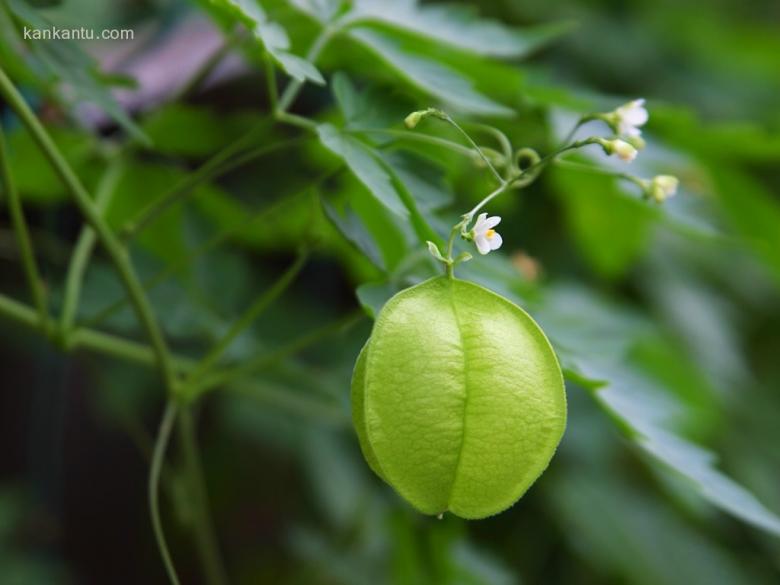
347, 97
593, 339
462, 398
413, 179
596, 504
753, 211
273, 38
141, 183
422, 178
430, 76
348, 223
35, 178
455, 25
299, 68
636, 406
377, 233
372, 107
609, 228
76, 69
364, 164
728, 141
187, 130
321, 10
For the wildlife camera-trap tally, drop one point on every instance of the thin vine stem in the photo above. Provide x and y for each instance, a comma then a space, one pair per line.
163, 274
205, 537
258, 364
579, 124
536, 167
470, 215
218, 165
83, 250
461, 228
113, 246
418, 137
29, 264
158, 458
296, 403
246, 319
521, 179
506, 146
90, 339
270, 81
146, 216
532, 171
294, 87
447, 118
568, 164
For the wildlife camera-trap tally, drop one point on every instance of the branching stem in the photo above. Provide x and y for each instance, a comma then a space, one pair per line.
31, 272
86, 205
83, 251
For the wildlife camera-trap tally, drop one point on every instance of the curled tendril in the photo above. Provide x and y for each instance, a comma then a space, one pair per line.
526, 166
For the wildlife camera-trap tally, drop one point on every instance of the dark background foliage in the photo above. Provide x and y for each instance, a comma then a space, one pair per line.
666, 318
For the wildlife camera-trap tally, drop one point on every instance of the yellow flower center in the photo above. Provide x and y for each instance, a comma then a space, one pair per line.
489, 234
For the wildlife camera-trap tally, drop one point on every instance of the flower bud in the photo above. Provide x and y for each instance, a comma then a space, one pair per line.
661, 188
435, 252
621, 148
636, 141
414, 118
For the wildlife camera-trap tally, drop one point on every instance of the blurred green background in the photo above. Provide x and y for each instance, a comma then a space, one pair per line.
666, 319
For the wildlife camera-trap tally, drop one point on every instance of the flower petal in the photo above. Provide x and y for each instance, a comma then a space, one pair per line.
483, 245
628, 130
637, 116
492, 221
496, 241
635, 112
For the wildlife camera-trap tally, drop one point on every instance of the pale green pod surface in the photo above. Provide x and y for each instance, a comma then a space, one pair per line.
358, 412
458, 399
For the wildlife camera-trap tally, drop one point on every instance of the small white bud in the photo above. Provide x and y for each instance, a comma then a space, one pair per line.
662, 187
621, 148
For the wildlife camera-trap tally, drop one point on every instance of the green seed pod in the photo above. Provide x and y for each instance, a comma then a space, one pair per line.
457, 399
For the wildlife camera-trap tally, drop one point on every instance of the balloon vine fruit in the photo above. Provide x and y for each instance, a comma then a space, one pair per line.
457, 398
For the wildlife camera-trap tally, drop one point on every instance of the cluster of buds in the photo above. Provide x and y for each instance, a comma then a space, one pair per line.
625, 122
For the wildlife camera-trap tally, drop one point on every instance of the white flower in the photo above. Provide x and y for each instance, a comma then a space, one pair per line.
483, 234
629, 117
662, 187
621, 148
